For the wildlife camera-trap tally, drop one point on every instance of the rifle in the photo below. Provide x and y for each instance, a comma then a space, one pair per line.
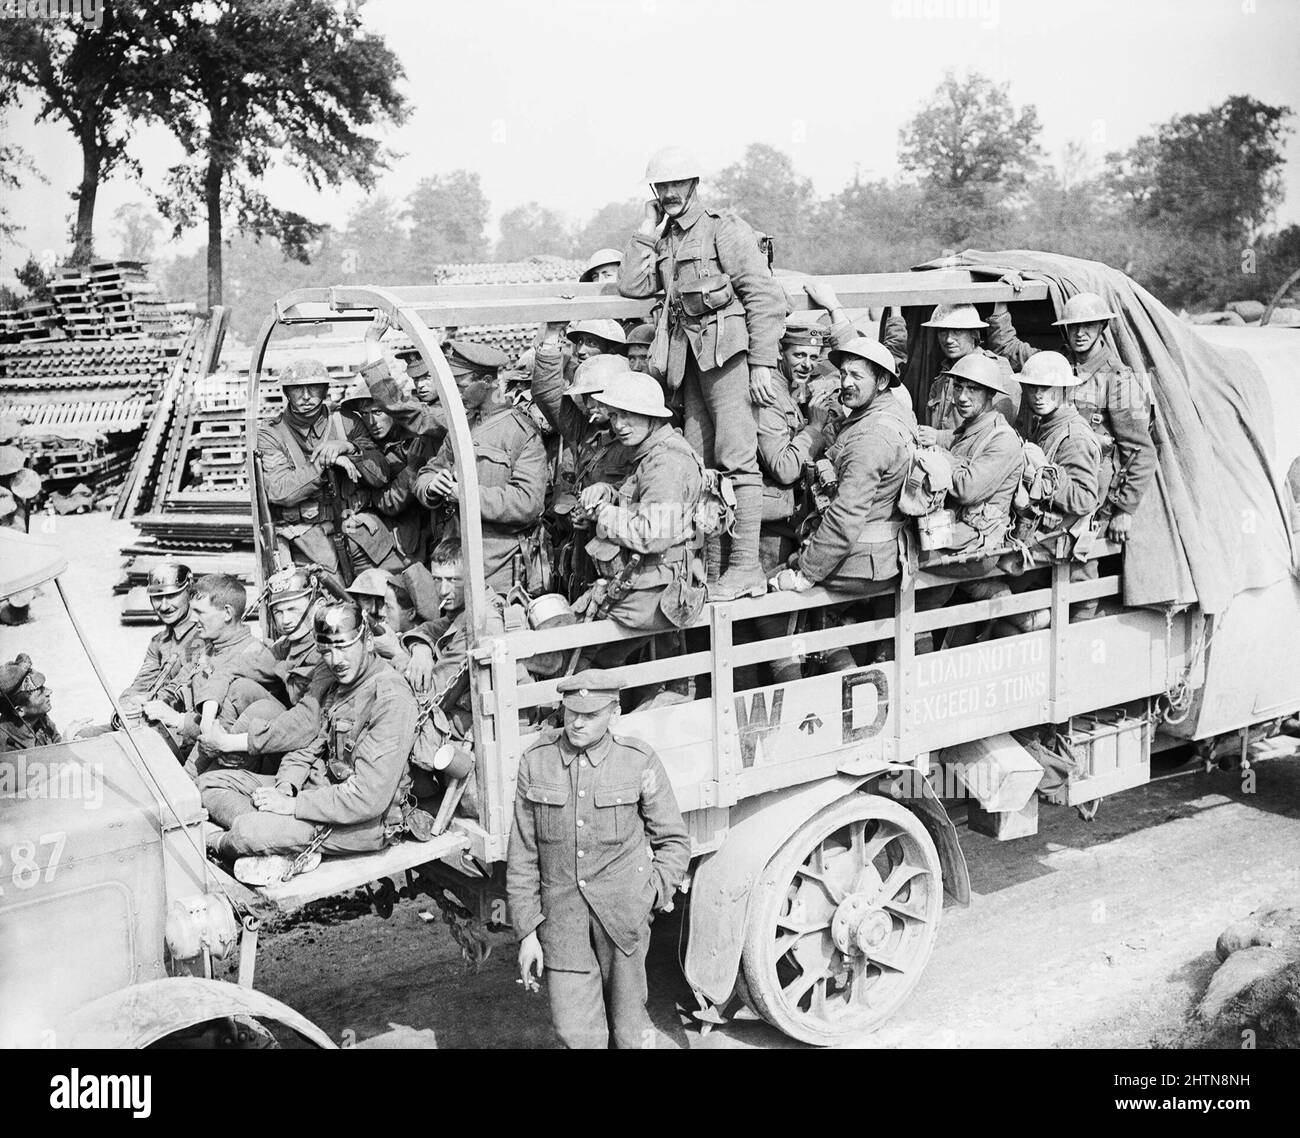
338, 539
266, 527
619, 586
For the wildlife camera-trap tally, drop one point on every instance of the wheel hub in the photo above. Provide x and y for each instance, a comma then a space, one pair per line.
859, 926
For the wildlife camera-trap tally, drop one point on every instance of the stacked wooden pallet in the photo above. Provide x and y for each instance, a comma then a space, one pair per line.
38, 320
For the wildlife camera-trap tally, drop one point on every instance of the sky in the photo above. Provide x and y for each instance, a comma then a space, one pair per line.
561, 101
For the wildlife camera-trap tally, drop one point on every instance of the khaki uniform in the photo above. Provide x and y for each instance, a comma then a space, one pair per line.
280, 706
591, 454
857, 539
303, 509
353, 777
171, 652
214, 679
786, 442
987, 459
510, 459
710, 355
592, 853
654, 516
17, 734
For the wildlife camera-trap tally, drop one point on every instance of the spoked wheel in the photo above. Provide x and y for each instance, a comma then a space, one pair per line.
843, 921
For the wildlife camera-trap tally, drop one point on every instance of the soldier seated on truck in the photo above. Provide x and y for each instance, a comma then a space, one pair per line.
229, 650
304, 450
597, 456
1108, 396
987, 457
348, 791
278, 707
173, 647
385, 526
25, 707
1059, 484
957, 330
645, 547
510, 461
857, 540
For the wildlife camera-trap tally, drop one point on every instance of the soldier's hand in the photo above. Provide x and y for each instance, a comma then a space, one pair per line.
552, 331
212, 739
156, 711
595, 496
443, 484
272, 801
761, 389
1118, 528
1014, 279
378, 326
790, 580
328, 451
927, 436
653, 216
822, 295
348, 467
531, 961
419, 672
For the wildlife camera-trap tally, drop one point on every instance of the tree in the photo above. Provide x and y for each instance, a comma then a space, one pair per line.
14, 166
611, 227
1218, 173
448, 216
765, 189
972, 151
373, 248
97, 78
253, 81
531, 230
137, 231
35, 279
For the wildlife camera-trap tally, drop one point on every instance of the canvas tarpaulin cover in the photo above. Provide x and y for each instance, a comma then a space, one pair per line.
1215, 522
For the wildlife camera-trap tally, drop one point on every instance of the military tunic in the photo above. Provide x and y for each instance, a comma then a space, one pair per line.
710, 355
987, 460
353, 777
18, 734
856, 539
592, 852
171, 653
1070, 445
510, 460
302, 506
655, 517
595, 456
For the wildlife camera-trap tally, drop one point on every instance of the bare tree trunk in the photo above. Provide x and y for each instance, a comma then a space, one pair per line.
212, 196
84, 242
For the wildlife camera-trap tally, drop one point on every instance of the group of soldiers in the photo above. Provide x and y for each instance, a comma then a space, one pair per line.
636, 473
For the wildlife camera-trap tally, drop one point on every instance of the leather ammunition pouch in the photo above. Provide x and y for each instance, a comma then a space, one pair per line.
778, 502
708, 294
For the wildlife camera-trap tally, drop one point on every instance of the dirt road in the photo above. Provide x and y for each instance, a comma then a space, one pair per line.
1093, 934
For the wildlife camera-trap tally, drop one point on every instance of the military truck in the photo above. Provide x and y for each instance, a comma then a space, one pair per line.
824, 851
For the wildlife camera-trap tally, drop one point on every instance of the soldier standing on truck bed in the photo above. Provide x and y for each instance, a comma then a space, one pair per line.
346, 791
597, 846
304, 449
1109, 398
717, 339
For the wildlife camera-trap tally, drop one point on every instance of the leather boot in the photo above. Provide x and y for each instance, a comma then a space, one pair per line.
743, 576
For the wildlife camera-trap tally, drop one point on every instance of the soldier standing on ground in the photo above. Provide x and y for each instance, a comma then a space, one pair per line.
597, 846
